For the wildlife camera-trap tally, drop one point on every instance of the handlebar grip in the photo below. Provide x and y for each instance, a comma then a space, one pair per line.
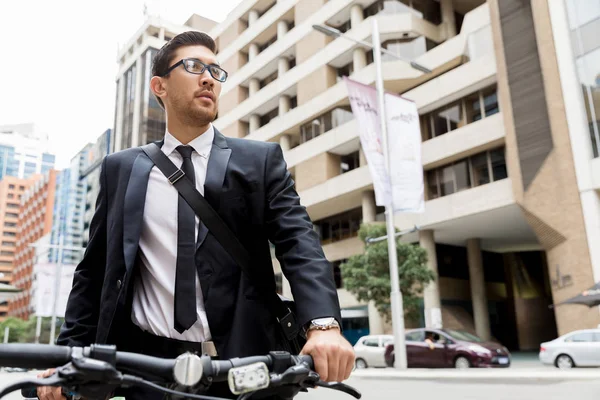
146, 366
29, 393
38, 356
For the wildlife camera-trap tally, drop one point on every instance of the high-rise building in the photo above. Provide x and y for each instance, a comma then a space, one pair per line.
91, 174
139, 119
23, 151
509, 122
34, 223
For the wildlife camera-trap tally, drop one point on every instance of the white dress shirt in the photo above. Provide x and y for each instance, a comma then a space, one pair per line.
154, 288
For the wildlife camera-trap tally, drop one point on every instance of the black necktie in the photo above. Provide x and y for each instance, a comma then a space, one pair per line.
185, 276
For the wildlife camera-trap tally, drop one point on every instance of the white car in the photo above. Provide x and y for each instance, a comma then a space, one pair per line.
370, 350
576, 349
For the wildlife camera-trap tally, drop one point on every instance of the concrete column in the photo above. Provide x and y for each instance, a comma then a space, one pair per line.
284, 104
285, 142
362, 160
359, 59
356, 15
375, 320
253, 87
282, 29
431, 294
254, 122
478, 295
161, 34
448, 19
369, 210
283, 66
252, 51
252, 17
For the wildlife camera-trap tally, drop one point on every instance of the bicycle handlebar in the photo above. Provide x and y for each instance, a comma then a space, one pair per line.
101, 365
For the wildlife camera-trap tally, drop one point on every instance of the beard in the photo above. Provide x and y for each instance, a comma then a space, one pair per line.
191, 113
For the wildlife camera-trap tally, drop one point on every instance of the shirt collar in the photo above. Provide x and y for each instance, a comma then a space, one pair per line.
202, 144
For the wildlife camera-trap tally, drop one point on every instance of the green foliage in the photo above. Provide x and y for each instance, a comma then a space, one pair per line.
367, 276
22, 331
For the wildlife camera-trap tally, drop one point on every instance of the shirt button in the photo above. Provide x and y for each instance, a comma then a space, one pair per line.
119, 284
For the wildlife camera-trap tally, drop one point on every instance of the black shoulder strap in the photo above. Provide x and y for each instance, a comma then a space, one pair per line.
222, 233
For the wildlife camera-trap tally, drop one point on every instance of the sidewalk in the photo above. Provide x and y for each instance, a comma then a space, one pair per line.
478, 374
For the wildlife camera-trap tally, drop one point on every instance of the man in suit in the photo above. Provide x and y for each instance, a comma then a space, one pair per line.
154, 279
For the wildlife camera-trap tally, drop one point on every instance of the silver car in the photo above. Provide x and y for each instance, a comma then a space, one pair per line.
575, 349
370, 350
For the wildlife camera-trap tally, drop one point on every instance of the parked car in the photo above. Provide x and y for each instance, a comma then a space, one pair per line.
446, 348
575, 349
369, 351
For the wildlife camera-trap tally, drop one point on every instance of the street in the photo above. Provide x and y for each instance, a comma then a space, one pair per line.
442, 389
462, 390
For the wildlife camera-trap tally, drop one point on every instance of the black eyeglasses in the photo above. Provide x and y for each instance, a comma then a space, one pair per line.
197, 67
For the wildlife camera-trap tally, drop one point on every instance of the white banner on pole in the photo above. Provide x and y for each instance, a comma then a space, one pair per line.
404, 144
45, 282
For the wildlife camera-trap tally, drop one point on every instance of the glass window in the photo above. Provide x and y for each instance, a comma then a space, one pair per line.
473, 104
498, 164
371, 342
479, 166
490, 102
7, 243
439, 124
582, 11
581, 337
416, 336
447, 180
432, 182
11, 186
461, 175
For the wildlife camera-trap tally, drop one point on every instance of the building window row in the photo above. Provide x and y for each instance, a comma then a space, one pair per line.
325, 122
339, 227
477, 170
478, 105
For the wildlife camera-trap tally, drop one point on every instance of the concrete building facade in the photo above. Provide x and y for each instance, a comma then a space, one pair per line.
512, 207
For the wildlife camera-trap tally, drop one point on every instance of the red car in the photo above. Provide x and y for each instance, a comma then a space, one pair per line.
445, 348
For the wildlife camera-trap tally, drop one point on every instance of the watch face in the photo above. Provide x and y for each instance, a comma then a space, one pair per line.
323, 321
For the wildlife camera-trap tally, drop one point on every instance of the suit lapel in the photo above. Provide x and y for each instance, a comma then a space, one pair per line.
215, 176
135, 198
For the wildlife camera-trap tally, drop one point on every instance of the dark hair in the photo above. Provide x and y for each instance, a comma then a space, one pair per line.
164, 57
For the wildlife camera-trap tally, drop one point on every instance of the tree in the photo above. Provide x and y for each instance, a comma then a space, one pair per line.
367, 276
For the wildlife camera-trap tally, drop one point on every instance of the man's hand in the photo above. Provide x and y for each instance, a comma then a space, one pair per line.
49, 392
332, 353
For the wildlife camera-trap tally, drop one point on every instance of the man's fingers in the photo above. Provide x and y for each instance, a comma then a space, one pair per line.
333, 364
349, 364
321, 366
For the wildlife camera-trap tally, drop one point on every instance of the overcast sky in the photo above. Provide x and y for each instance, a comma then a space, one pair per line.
58, 61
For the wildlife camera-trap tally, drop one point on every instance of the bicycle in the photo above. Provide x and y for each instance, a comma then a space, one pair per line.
96, 371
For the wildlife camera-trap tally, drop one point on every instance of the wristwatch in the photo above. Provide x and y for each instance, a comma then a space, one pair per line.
323, 324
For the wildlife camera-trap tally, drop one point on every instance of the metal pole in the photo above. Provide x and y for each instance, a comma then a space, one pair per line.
395, 295
6, 333
38, 328
56, 289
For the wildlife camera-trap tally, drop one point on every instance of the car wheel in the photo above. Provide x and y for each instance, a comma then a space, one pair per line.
564, 362
462, 363
360, 363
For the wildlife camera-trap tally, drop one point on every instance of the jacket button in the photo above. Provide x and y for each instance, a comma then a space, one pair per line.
119, 284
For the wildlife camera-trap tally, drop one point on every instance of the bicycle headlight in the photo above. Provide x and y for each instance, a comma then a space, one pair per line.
248, 378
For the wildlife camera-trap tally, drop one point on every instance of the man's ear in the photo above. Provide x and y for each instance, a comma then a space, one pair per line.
157, 85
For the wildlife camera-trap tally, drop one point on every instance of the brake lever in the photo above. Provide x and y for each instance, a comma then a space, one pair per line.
342, 387
52, 380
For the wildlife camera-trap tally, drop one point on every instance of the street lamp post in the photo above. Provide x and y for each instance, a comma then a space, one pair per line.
395, 295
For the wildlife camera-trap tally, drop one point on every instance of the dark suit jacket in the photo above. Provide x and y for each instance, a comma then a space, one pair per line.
248, 184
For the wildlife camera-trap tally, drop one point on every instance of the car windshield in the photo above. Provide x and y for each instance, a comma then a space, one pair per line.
464, 336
